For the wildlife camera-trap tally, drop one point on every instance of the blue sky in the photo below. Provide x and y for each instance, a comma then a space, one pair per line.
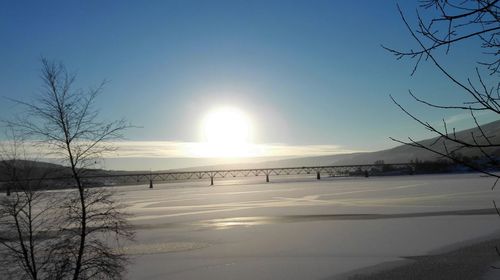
307, 73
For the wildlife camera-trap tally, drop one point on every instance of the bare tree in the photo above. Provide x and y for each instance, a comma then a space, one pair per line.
62, 121
25, 216
441, 25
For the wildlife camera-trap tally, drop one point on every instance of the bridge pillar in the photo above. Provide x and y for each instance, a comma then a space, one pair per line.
366, 173
7, 188
211, 180
318, 176
150, 184
267, 178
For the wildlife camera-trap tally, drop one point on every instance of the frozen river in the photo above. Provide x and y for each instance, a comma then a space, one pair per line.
301, 229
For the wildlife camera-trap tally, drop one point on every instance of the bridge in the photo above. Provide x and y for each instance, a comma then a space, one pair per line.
331, 171
150, 178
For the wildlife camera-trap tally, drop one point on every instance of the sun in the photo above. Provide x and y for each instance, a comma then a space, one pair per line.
226, 133
226, 126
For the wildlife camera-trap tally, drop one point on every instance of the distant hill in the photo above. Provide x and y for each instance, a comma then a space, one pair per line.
31, 169
40, 169
406, 153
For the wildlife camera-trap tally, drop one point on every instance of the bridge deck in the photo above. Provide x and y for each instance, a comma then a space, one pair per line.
151, 177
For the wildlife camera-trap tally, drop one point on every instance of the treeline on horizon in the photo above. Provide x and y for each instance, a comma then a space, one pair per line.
442, 165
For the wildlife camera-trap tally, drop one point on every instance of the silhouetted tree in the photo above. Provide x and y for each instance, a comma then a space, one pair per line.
90, 224
26, 216
447, 23
442, 25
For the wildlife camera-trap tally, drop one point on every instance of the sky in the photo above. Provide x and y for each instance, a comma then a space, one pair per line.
311, 77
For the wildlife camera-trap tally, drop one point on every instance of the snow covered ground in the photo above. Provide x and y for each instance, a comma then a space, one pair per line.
301, 228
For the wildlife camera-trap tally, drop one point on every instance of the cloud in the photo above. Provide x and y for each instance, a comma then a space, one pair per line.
173, 149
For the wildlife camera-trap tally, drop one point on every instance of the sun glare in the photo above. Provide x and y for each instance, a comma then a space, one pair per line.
226, 126
226, 133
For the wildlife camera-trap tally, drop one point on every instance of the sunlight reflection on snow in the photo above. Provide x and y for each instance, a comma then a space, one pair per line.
227, 223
